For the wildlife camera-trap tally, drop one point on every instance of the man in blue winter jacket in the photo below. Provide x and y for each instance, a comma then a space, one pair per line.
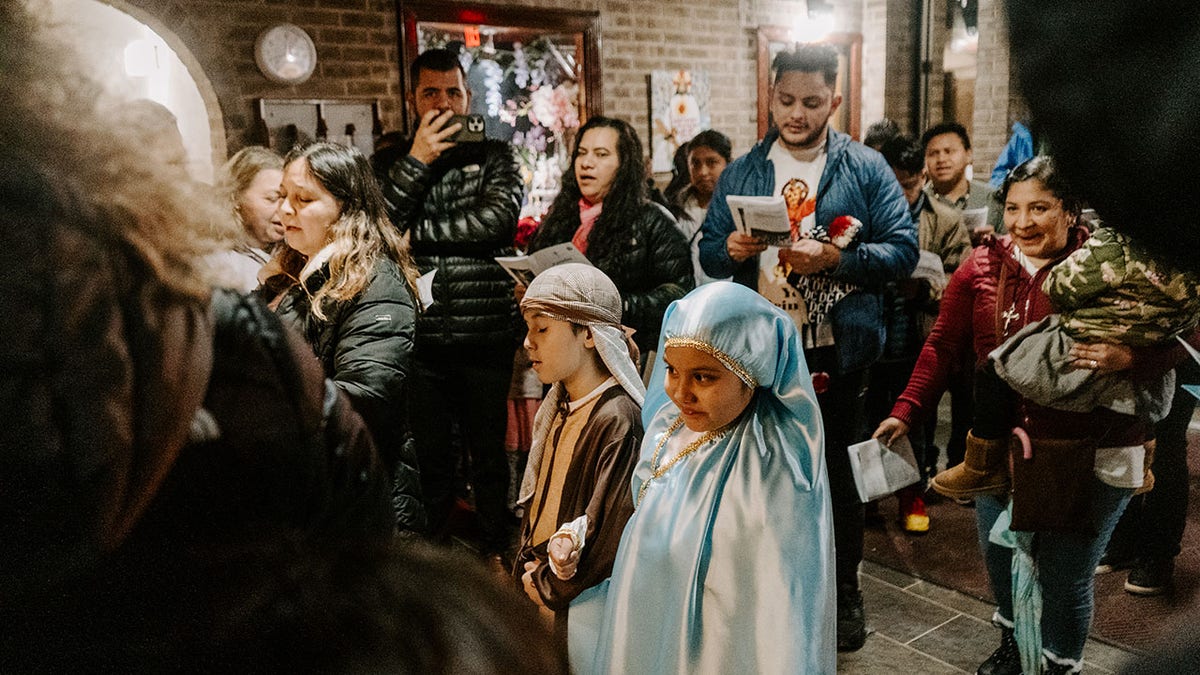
850, 233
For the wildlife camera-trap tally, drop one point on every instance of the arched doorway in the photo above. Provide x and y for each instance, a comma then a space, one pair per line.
137, 57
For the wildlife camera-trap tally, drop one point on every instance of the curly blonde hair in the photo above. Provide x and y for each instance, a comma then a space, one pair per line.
362, 235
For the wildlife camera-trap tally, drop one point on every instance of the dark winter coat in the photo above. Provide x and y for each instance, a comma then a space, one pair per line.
365, 346
137, 417
651, 270
460, 213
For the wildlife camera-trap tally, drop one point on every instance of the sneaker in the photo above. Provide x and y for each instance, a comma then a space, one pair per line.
851, 620
1151, 577
913, 515
1113, 562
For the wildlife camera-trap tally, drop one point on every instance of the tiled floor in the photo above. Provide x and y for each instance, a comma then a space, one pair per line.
919, 628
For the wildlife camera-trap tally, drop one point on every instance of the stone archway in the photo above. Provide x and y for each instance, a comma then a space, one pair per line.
200, 128
216, 120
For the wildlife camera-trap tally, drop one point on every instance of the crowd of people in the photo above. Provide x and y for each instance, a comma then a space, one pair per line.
269, 429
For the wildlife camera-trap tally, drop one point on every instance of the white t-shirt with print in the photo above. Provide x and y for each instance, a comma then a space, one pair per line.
772, 278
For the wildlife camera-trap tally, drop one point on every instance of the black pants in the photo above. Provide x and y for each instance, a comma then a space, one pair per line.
843, 408
962, 413
463, 387
995, 405
1153, 523
887, 381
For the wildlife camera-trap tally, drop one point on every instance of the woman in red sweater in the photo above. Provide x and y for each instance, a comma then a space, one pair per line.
995, 292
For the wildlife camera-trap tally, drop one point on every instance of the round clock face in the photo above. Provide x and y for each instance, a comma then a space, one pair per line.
285, 53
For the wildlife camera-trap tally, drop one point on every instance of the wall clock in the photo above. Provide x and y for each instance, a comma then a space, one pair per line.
285, 54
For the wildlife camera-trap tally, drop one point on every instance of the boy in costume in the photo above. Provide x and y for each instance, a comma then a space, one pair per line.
585, 436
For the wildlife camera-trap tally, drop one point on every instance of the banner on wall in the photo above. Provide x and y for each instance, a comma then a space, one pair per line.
679, 105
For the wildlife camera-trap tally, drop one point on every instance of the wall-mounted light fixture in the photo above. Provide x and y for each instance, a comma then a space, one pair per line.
814, 25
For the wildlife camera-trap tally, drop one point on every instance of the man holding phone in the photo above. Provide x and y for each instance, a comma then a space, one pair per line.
458, 202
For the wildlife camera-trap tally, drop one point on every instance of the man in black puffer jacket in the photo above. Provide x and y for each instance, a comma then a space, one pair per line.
459, 204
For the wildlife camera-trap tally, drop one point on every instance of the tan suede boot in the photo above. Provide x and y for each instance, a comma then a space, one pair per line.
984, 470
1147, 474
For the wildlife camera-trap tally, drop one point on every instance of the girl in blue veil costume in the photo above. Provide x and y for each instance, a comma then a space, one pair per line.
727, 563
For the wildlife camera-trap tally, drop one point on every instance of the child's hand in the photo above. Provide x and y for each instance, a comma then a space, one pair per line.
527, 582
564, 555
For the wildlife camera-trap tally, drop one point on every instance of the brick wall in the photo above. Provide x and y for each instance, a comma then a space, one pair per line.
355, 40
357, 51
901, 25
357, 54
995, 88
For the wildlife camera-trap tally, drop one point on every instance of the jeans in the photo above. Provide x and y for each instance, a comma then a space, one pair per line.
1152, 527
1066, 564
843, 413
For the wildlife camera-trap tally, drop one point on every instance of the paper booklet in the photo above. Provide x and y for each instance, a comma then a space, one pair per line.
523, 268
975, 218
879, 470
765, 218
425, 289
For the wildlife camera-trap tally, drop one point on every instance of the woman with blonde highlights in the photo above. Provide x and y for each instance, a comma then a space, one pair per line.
351, 295
249, 184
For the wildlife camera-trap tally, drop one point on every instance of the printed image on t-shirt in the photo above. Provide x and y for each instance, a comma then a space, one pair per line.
796, 182
801, 205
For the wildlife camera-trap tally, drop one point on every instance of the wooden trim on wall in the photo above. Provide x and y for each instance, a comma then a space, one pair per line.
852, 99
586, 24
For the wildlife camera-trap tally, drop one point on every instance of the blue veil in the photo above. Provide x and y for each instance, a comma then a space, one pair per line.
727, 564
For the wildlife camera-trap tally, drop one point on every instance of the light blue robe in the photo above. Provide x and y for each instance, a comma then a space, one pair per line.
727, 563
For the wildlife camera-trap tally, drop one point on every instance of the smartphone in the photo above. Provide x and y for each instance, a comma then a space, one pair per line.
471, 131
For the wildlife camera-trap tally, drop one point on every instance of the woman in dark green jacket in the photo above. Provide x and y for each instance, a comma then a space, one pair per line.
351, 295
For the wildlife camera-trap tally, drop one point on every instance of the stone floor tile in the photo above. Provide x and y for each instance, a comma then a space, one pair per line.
887, 574
964, 642
898, 614
1100, 657
953, 599
882, 655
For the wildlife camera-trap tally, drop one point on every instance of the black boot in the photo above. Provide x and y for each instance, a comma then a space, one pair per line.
851, 622
1006, 660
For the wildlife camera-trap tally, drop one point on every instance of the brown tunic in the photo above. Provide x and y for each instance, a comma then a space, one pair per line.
598, 484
